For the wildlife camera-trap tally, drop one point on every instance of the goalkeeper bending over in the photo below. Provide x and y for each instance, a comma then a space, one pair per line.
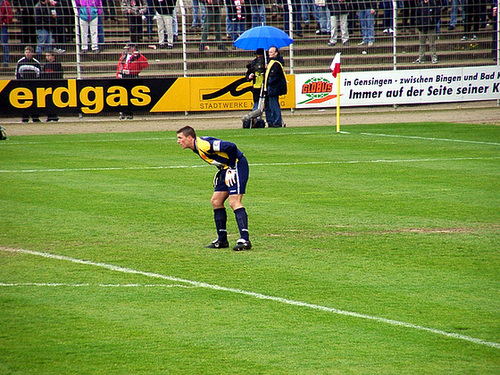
229, 182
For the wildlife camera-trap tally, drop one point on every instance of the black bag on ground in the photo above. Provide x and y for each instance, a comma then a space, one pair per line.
3, 134
254, 123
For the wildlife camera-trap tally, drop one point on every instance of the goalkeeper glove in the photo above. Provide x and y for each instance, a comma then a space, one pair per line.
230, 179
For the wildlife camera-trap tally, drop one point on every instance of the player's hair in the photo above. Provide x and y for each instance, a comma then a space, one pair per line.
187, 131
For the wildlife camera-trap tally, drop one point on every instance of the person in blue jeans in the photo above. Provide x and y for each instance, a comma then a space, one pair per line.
456, 9
45, 20
366, 15
198, 15
275, 85
258, 8
6, 17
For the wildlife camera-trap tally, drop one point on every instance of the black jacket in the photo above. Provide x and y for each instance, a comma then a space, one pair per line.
164, 7
365, 4
28, 69
275, 77
52, 70
339, 6
43, 16
428, 14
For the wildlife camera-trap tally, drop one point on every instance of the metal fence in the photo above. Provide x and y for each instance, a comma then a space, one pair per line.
381, 35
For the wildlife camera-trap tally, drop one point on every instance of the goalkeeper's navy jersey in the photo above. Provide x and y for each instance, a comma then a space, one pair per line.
217, 152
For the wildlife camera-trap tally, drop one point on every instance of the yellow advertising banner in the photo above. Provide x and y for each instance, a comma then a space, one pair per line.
215, 94
92, 97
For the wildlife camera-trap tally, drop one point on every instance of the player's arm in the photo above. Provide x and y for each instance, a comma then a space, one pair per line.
231, 150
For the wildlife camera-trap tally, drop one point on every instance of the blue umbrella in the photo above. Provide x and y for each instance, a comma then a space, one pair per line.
263, 37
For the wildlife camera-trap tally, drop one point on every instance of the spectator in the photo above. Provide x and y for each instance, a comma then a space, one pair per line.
88, 12
6, 16
275, 85
199, 12
339, 10
321, 15
428, 16
213, 18
66, 18
109, 10
409, 15
26, 14
150, 16
58, 26
236, 18
164, 10
258, 9
387, 23
52, 69
134, 10
493, 15
130, 65
297, 27
44, 19
456, 8
28, 68
366, 15
472, 19
100, 28
305, 9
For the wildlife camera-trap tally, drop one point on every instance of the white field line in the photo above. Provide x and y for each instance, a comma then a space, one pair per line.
49, 170
259, 296
14, 142
431, 139
97, 285
162, 139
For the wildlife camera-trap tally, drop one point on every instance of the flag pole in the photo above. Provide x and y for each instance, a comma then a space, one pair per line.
338, 103
335, 68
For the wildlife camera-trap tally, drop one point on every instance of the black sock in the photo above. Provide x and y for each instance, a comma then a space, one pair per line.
242, 221
220, 217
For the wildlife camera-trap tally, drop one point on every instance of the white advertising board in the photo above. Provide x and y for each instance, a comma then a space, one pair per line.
390, 87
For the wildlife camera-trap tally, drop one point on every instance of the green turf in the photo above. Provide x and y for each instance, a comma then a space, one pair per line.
399, 222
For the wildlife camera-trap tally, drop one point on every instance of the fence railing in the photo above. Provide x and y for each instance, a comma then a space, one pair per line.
385, 39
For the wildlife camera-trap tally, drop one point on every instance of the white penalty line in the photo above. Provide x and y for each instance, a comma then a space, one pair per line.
258, 295
431, 138
376, 161
77, 285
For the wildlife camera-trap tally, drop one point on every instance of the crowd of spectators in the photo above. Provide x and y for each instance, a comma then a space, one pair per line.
49, 24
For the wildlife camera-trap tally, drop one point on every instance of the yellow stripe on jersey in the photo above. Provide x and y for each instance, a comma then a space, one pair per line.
204, 152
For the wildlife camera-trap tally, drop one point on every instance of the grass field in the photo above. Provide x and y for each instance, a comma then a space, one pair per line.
376, 251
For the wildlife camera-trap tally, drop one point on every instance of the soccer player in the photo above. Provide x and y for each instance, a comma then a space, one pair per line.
229, 183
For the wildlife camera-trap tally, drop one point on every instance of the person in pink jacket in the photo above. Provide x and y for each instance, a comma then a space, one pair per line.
88, 14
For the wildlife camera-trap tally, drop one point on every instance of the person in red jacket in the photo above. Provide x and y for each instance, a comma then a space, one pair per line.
130, 65
6, 16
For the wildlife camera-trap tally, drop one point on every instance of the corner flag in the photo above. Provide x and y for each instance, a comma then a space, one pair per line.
335, 66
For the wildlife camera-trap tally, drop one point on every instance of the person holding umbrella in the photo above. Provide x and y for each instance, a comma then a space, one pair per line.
274, 86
